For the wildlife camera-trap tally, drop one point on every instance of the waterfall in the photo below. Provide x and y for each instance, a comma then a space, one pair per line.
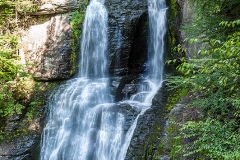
153, 79
83, 123
157, 29
94, 42
79, 126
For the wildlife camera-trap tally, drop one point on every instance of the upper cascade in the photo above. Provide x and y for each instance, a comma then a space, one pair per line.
94, 41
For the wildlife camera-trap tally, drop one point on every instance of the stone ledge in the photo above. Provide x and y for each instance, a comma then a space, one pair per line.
47, 7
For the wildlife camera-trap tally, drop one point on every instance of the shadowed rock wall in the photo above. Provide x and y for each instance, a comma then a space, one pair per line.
128, 25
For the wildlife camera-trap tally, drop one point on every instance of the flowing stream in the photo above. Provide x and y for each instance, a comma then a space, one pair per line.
82, 122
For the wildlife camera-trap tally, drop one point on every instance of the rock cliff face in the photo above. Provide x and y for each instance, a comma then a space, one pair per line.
128, 25
186, 16
149, 128
181, 13
47, 45
26, 148
47, 48
128, 30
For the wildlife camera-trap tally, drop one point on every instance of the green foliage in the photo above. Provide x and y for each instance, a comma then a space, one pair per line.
216, 139
12, 13
209, 14
216, 80
12, 73
10, 70
176, 92
76, 22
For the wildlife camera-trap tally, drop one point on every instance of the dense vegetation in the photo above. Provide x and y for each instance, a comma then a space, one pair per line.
11, 71
19, 94
76, 23
214, 76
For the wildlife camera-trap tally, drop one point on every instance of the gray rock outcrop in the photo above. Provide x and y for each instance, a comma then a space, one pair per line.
24, 148
47, 49
46, 7
47, 45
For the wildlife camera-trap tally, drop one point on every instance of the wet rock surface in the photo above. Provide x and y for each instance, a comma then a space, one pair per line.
23, 139
24, 148
129, 111
149, 128
128, 26
186, 16
125, 87
119, 87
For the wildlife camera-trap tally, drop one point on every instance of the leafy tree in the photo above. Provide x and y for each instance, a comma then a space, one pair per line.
216, 79
208, 16
11, 71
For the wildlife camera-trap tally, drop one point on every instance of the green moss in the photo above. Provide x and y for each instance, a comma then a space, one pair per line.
174, 97
172, 34
166, 145
153, 148
172, 16
76, 25
174, 8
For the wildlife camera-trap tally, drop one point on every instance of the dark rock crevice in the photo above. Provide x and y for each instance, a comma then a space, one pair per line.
138, 53
127, 31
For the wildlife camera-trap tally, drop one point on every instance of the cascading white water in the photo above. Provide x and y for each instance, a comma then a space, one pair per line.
82, 123
157, 29
154, 77
79, 125
94, 42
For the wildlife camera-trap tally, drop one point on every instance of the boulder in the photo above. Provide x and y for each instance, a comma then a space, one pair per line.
129, 111
24, 147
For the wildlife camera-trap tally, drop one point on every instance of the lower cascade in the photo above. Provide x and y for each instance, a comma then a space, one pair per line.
83, 122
